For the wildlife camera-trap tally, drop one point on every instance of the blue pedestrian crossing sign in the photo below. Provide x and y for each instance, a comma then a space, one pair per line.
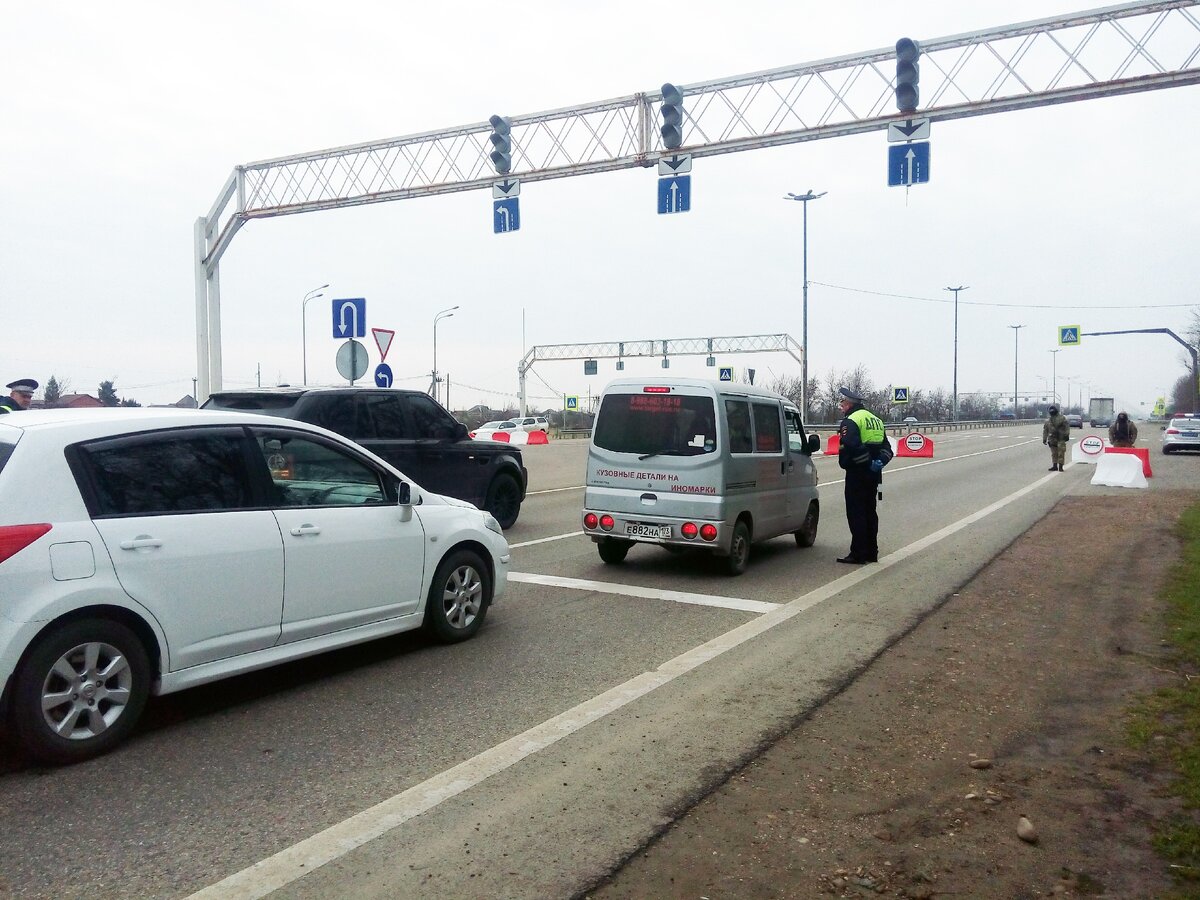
899, 395
572, 403
908, 164
675, 194
1068, 335
726, 373
506, 215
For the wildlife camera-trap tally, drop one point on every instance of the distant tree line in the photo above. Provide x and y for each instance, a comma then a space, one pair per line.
56, 388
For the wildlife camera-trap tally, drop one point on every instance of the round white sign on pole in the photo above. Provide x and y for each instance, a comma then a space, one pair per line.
1091, 445
915, 442
352, 360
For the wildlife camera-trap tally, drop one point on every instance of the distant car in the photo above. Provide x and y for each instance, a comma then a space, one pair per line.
1181, 434
1006, 415
1074, 420
145, 551
910, 420
506, 425
534, 423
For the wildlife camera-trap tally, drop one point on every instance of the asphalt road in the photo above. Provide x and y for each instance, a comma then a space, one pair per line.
532, 760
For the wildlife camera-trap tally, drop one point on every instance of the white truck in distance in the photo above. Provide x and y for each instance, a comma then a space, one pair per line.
1100, 411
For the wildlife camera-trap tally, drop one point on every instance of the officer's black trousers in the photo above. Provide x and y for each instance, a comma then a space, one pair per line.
861, 515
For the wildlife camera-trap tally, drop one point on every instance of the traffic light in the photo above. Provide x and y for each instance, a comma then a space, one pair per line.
672, 116
908, 73
501, 154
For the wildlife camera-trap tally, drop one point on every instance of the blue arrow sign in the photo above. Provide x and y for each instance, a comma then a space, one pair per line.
350, 318
383, 375
506, 215
908, 164
726, 373
675, 194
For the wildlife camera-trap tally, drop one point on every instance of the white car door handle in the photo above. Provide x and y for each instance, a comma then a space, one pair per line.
141, 542
301, 530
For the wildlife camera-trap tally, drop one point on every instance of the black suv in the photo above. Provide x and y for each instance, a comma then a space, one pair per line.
411, 430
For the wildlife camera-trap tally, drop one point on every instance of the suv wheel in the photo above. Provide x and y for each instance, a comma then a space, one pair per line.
79, 691
504, 499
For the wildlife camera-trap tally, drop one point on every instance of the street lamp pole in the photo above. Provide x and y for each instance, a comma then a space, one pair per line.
1016, 334
444, 314
311, 295
1054, 374
961, 287
804, 198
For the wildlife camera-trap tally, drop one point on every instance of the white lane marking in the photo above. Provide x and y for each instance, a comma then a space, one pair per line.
934, 462
576, 487
630, 590
296, 861
557, 537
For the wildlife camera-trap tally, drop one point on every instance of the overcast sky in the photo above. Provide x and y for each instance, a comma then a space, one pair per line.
123, 120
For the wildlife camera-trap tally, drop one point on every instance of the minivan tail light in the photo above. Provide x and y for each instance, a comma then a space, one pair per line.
656, 390
708, 532
591, 520
607, 523
15, 538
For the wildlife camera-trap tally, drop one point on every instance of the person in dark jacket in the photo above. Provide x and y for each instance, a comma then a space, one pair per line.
20, 394
1122, 433
863, 451
1056, 433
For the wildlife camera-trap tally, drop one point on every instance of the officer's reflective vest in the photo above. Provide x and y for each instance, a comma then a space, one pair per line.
870, 428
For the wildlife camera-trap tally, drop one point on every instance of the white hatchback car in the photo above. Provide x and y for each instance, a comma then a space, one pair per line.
144, 551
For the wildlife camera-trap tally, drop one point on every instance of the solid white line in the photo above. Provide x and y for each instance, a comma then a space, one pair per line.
630, 590
557, 537
296, 861
576, 487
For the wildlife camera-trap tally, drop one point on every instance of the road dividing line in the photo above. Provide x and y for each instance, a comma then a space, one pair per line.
557, 537
295, 862
630, 590
574, 487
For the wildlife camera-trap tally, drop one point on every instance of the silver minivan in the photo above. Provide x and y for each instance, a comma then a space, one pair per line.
692, 464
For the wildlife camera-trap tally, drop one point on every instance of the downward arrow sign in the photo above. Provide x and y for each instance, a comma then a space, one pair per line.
908, 129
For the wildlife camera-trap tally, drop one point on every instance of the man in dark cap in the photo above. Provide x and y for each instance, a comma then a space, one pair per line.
1056, 432
20, 393
863, 451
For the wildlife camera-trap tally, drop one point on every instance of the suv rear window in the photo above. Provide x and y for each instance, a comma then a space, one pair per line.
267, 404
667, 424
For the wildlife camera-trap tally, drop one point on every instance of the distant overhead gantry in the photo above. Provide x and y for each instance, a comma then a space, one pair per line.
1104, 52
623, 350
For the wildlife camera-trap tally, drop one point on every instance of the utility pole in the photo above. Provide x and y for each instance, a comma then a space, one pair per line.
1016, 333
1054, 375
956, 290
804, 198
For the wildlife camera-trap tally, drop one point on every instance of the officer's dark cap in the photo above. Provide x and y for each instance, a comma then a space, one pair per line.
1054, 410
850, 395
26, 385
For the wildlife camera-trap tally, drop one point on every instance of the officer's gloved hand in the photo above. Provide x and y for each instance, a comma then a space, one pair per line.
876, 466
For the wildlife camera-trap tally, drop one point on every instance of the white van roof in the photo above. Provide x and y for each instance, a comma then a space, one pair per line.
706, 384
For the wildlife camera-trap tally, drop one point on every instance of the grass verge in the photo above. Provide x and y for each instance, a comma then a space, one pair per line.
1166, 725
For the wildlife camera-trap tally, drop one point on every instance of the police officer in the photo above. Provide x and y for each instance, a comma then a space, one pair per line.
1056, 432
863, 451
20, 393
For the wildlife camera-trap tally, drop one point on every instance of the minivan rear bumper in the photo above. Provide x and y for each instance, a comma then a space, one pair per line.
671, 526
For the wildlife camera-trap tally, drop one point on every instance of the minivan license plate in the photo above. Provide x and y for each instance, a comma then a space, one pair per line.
655, 531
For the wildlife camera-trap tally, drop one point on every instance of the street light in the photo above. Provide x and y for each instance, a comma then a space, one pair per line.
1054, 374
804, 198
444, 314
961, 287
311, 295
1016, 334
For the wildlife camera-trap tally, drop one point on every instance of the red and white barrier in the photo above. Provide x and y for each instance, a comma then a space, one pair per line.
1141, 453
914, 444
835, 443
1119, 470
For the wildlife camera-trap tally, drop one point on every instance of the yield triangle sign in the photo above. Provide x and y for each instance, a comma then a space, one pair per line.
383, 340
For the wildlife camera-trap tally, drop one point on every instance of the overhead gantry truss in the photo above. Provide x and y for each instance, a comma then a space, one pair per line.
1104, 52
621, 350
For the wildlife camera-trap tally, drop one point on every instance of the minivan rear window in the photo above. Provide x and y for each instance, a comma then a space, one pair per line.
665, 424
6, 450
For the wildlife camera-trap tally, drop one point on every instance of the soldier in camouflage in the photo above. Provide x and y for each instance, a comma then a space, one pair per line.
1056, 433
